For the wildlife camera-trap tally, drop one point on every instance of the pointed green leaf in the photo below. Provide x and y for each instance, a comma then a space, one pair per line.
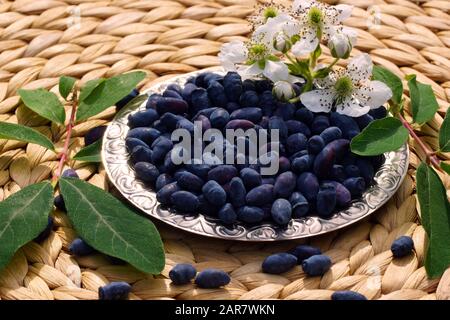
18, 132
22, 217
44, 103
87, 89
423, 101
90, 153
380, 136
107, 93
435, 213
445, 167
444, 134
391, 80
66, 85
111, 227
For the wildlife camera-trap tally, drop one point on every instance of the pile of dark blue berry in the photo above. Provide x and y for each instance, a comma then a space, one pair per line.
317, 174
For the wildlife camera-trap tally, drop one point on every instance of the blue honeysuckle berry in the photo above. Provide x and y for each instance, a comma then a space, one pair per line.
94, 135
212, 278
279, 263
347, 295
303, 252
182, 273
402, 246
184, 201
214, 193
316, 265
114, 291
70, 173
378, 113
227, 214
237, 192
300, 205
326, 200
251, 214
124, 101
285, 184
281, 212
58, 202
79, 247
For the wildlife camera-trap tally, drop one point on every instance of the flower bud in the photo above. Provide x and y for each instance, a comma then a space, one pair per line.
340, 46
282, 43
283, 90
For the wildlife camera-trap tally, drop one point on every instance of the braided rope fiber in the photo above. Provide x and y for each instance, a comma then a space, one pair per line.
86, 39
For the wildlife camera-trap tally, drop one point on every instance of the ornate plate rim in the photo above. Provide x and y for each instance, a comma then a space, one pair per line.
115, 160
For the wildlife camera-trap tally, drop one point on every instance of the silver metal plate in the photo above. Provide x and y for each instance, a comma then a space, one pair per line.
121, 174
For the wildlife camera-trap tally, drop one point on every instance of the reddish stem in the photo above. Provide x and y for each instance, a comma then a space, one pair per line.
65, 152
431, 156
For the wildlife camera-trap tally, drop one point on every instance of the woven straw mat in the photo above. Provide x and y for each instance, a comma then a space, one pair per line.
86, 39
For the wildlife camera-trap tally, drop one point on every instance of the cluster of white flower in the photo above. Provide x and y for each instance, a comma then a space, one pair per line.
285, 46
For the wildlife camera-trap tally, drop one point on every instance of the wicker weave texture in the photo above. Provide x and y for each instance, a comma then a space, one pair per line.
86, 39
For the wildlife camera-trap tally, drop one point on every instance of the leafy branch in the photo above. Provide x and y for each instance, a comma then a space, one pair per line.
389, 133
113, 227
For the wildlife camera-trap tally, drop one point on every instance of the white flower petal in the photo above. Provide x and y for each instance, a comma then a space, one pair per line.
281, 24
340, 46
248, 72
276, 71
345, 11
294, 79
227, 64
291, 28
327, 82
318, 100
351, 107
302, 4
307, 44
232, 53
360, 67
376, 94
351, 33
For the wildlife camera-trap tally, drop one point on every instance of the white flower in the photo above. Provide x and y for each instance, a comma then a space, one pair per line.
349, 90
341, 44
318, 21
283, 90
264, 12
254, 59
278, 31
232, 54
272, 70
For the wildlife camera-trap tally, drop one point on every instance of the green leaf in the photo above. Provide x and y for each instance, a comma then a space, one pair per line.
322, 73
22, 217
87, 89
300, 68
444, 134
435, 213
107, 93
423, 101
445, 167
18, 132
90, 153
380, 136
111, 227
44, 103
316, 53
66, 85
391, 80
